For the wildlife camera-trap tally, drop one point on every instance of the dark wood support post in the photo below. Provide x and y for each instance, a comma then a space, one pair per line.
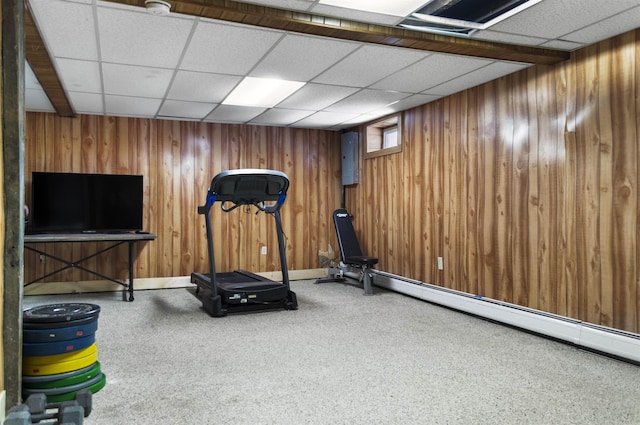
12, 217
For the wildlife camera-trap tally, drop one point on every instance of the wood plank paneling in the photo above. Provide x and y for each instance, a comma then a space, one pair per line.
624, 181
528, 185
178, 161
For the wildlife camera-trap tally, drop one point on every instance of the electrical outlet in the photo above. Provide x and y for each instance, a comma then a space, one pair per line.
263, 250
440, 263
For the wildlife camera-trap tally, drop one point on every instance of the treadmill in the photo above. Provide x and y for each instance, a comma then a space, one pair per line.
240, 290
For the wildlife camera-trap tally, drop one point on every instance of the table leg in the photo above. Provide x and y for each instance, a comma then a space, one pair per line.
130, 271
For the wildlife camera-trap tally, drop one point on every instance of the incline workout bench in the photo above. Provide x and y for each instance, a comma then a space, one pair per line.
353, 264
240, 290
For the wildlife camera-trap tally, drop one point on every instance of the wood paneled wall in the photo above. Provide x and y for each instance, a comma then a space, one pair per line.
178, 161
527, 186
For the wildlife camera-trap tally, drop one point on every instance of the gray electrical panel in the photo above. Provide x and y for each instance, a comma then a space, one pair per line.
349, 158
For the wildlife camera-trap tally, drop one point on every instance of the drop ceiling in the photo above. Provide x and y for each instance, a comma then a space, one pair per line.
114, 58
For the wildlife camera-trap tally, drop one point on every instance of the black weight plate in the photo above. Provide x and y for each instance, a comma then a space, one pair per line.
64, 312
57, 325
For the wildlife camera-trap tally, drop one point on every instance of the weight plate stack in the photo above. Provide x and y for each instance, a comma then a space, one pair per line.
60, 355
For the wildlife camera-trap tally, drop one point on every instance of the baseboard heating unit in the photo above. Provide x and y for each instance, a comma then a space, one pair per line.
620, 344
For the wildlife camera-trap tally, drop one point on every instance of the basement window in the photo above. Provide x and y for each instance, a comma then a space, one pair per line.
384, 137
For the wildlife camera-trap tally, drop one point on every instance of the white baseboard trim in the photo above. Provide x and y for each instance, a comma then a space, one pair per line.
610, 341
51, 288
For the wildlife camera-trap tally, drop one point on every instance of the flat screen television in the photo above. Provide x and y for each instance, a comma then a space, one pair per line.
75, 202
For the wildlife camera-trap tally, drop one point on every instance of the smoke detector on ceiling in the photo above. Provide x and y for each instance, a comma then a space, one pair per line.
157, 7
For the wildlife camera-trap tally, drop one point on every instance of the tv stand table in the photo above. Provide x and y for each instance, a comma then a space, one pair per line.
117, 239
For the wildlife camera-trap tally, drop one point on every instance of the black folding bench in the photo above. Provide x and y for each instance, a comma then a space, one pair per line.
353, 264
240, 290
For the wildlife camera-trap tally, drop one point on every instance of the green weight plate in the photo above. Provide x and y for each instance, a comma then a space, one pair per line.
86, 376
29, 380
71, 395
64, 390
63, 312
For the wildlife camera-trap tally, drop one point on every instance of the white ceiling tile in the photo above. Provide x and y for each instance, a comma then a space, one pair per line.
481, 76
181, 109
431, 71
360, 119
150, 40
83, 76
324, 119
554, 18
30, 79
121, 6
411, 79
399, 8
234, 114
276, 116
202, 87
131, 106
227, 49
305, 57
355, 15
68, 27
562, 45
285, 4
316, 97
409, 102
502, 37
369, 64
135, 80
86, 103
366, 101
622, 22
37, 100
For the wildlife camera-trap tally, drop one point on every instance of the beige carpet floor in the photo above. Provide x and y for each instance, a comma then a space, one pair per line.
341, 358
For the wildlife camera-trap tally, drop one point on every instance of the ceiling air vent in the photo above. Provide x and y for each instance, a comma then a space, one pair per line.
463, 17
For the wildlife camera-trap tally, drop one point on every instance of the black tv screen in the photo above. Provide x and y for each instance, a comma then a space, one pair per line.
74, 202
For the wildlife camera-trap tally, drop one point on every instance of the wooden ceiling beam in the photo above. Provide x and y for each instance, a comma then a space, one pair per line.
40, 62
307, 23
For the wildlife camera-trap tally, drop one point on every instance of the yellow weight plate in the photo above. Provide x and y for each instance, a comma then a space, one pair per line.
63, 357
75, 363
